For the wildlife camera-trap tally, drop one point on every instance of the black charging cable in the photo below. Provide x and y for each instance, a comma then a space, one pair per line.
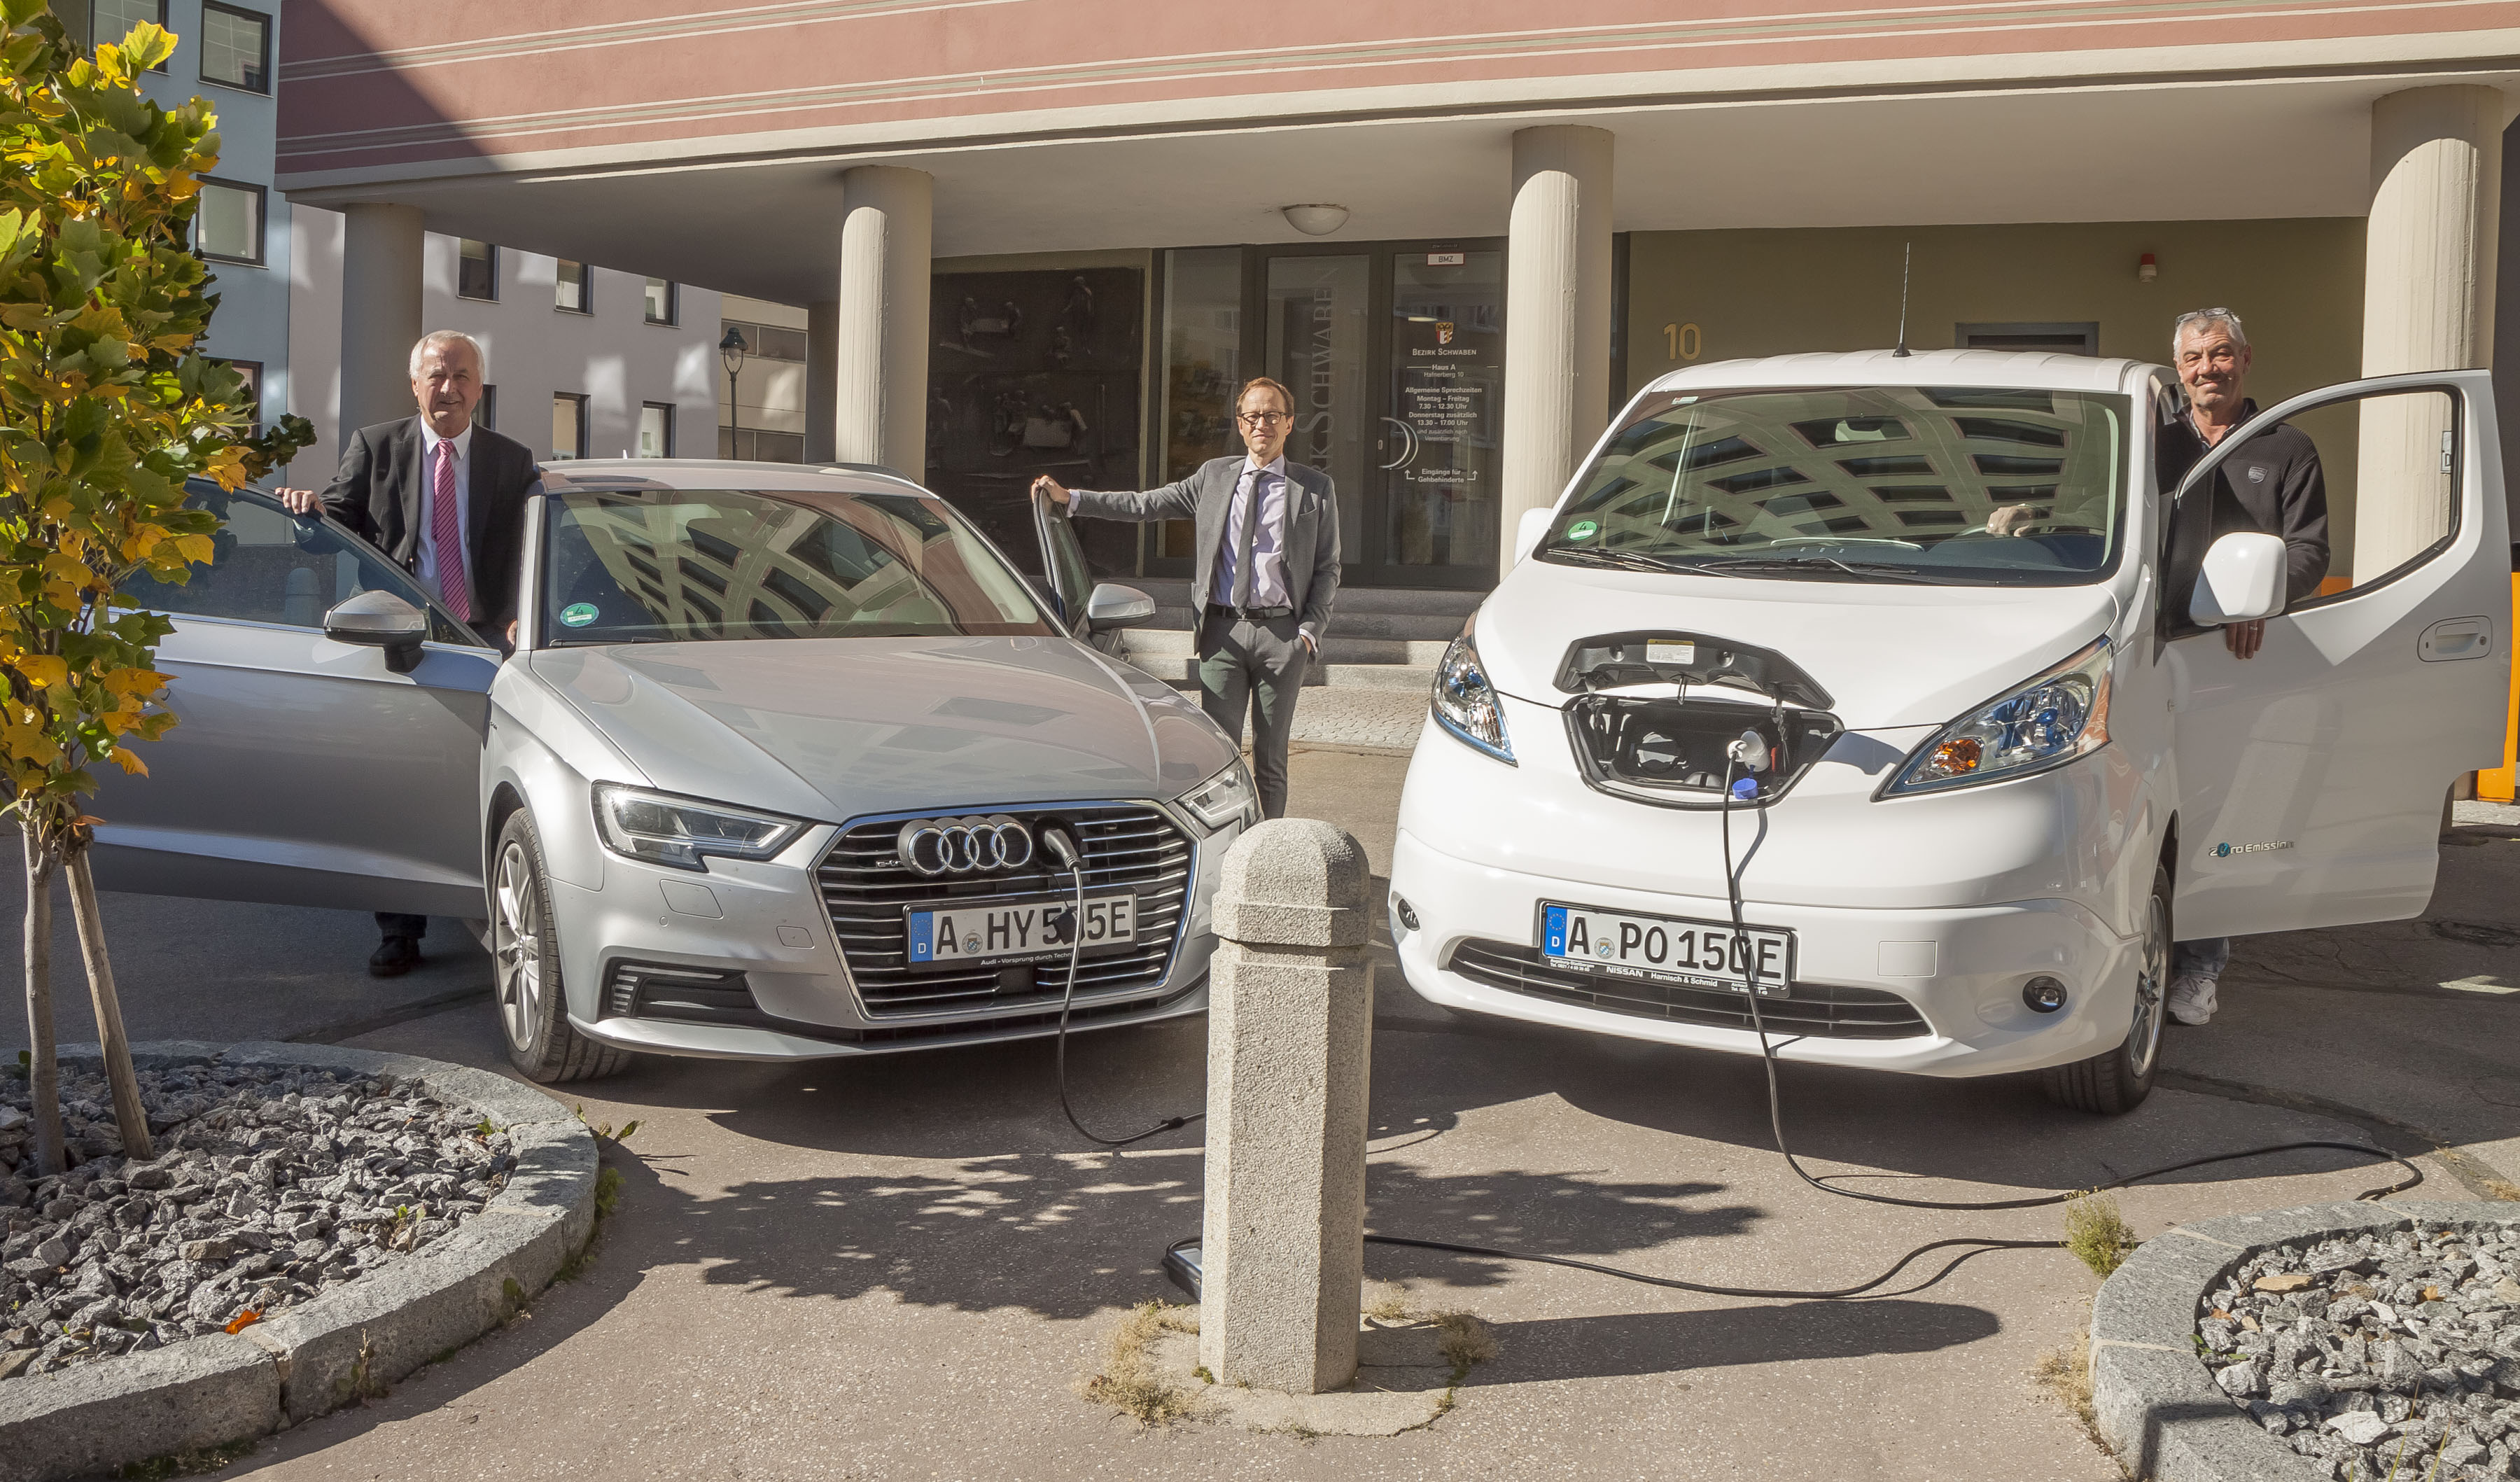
1064, 849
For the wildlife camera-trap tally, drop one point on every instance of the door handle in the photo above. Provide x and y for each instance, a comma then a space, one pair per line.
2454, 638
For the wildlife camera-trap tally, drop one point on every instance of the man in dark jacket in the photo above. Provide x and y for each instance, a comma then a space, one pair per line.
445, 500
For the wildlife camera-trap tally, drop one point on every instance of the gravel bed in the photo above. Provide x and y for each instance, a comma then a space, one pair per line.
272, 1184
2399, 1349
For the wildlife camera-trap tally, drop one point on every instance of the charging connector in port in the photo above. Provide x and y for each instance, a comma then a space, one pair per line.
1674, 752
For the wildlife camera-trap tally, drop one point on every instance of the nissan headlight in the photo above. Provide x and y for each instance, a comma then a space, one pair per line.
2062, 714
1225, 798
1467, 705
663, 829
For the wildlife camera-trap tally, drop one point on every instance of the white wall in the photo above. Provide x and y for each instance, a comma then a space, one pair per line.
613, 356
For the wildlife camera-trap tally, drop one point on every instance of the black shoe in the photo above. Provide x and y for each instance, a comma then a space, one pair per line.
395, 957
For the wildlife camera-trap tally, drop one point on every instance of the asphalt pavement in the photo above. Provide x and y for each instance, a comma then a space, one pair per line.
900, 1265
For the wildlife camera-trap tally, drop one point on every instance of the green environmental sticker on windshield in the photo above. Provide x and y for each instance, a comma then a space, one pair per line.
577, 614
1582, 530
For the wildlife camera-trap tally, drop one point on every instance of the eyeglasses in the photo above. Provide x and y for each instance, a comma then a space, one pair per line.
1262, 418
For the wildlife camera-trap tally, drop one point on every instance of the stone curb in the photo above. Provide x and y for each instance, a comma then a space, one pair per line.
2155, 1403
220, 1388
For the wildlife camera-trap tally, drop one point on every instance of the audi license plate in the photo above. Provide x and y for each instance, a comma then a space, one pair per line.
1667, 949
1005, 933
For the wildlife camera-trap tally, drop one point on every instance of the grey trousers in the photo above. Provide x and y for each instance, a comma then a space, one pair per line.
1254, 667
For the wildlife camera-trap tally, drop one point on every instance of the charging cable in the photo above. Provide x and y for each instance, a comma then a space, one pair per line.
1063, 847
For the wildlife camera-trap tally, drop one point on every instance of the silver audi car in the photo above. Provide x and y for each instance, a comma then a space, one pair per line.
787, 763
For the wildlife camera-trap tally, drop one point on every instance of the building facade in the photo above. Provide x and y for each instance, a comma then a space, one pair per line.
1053, 235
225, 53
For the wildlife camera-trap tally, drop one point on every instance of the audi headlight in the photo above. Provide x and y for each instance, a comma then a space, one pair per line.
664, 829
1465, 705
1225, 798
2062, 714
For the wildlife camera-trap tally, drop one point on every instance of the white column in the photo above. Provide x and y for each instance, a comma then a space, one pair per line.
381, 282
882, 326
1557, 315
822, 380
2427, 302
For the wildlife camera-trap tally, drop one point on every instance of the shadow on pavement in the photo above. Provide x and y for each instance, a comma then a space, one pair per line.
1640, 1343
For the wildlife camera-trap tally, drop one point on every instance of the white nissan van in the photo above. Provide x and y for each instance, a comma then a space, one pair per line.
1926, 636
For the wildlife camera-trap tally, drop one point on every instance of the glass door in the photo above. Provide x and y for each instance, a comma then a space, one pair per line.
1319, 322
1439, 467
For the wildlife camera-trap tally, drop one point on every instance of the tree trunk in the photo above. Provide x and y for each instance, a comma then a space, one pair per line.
43, 1072
128, 1114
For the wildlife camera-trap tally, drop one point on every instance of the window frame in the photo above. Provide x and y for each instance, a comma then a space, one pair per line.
668, 409
585, 286
493, 260
261, 222
485, 412
585, 432
262, 64
92, 38
673, 303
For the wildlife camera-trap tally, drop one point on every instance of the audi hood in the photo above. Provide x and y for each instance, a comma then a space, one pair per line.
1888, 654
832, 729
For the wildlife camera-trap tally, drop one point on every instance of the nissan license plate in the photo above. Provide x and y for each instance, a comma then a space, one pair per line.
1667, 949
1004, 933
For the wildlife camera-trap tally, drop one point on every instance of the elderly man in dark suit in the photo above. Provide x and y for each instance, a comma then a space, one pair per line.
1267, 570
445, 500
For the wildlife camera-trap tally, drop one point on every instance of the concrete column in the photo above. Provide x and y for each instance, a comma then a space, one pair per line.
822, 380
380, 283
881, 326
1557, 315
1289, 1043
2427, 302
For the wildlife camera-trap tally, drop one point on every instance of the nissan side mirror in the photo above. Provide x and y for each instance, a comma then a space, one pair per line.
1117, 607
377, 620
1527, 533
2242, 580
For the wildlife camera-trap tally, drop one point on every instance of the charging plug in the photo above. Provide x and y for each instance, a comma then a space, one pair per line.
1751, 750
1062, 847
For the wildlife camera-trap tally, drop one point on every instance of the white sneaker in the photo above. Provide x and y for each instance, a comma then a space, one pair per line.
2191, 999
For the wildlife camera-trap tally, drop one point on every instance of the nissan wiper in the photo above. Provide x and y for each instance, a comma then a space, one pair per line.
1862, 570
1633, 561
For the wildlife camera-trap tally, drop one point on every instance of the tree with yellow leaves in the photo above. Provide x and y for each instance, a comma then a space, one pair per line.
107, 407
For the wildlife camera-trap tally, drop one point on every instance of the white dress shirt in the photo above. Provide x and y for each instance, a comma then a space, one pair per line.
1268, 545
428, 572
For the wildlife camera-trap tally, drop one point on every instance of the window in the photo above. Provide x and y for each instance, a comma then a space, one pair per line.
754, 446
252, 371
569, 425
487, 412
236, 47
228, 223
664, 302
573, 291
2057, 338
656, 429
769, 342
271, 568
477, 270
115, 19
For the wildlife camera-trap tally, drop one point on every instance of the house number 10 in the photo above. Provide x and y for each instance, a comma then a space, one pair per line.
1683, 338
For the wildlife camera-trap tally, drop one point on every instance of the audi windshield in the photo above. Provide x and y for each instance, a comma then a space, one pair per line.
678, 566
1958, 485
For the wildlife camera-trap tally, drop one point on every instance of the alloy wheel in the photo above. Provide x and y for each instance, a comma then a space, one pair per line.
2144, 1037
516, 944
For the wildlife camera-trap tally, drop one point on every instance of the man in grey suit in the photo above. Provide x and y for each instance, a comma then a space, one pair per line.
1268, 571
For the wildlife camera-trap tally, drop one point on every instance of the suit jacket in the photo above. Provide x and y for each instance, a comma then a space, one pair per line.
381, 492
1312, 548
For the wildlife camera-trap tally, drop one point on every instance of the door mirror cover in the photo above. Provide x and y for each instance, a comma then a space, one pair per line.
377, 620
1527, 533
1117, 607
2242, 580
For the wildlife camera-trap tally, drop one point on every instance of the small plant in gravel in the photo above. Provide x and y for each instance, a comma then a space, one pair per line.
2097, 1234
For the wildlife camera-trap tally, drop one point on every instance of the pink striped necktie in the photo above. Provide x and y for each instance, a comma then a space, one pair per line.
446, 534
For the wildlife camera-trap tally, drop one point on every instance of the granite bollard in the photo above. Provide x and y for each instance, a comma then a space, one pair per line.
1289, 1047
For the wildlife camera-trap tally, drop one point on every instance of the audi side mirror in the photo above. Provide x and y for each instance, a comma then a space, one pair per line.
379, 620
1117, 607
2242, 580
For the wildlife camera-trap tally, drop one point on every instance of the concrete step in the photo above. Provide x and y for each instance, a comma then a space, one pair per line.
1148, 646
1442, 626
1173, 591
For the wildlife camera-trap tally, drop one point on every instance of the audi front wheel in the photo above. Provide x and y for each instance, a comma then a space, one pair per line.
524, 957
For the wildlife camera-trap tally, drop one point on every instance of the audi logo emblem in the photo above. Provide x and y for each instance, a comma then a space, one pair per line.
938, 846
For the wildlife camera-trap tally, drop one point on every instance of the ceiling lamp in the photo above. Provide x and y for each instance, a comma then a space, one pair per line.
1315, 220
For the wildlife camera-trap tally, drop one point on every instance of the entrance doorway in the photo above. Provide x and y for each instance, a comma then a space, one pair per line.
1395, 353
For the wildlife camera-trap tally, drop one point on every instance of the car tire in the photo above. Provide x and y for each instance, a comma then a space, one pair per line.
524, 961
2117, 1082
